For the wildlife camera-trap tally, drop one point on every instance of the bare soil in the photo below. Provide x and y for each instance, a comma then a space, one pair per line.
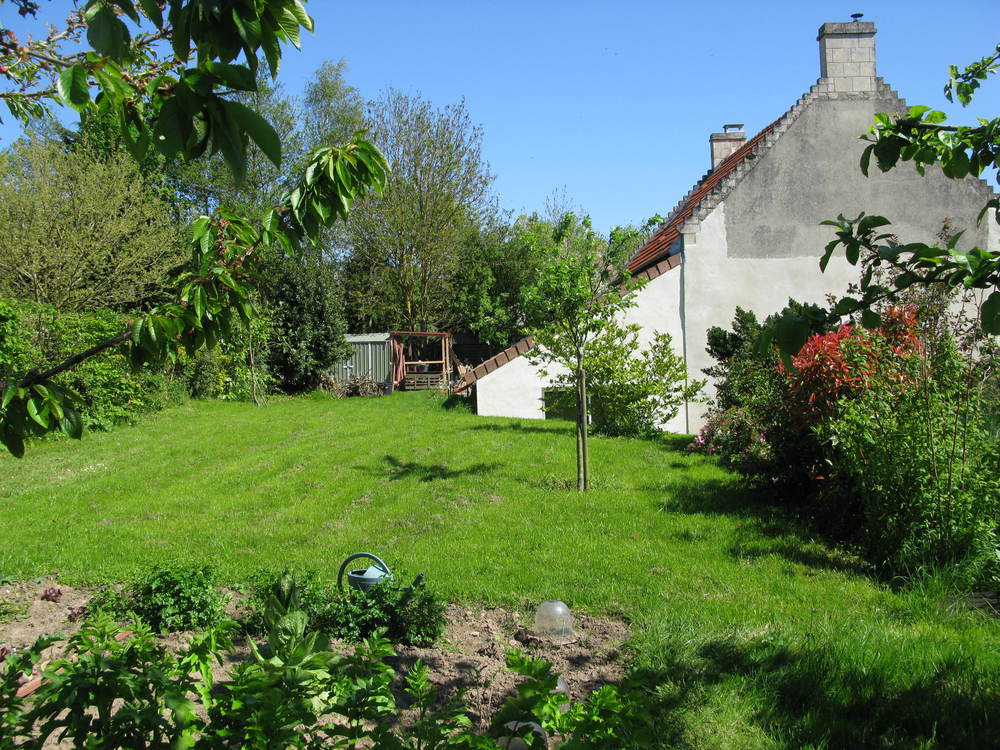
470, 657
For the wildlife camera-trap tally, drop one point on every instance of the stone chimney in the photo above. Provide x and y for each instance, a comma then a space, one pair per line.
725, 143
847, 55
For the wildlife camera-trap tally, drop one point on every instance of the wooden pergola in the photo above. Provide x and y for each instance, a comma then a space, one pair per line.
422, 374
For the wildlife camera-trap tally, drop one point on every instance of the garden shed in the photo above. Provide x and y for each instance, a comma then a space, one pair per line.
371, 355
412, 360
422, 359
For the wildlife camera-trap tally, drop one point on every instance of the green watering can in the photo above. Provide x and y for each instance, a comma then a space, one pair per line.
363, 579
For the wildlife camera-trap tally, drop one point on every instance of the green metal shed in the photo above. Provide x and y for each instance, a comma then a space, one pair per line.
371, 356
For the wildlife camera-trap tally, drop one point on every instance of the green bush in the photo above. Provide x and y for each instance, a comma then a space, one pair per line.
110, 391
167, 598
917, 471
17, 355
235, 370
884, 435
750, 425
408, 617
304, 302
632, 390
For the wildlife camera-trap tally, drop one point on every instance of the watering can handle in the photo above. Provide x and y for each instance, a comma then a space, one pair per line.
343, 568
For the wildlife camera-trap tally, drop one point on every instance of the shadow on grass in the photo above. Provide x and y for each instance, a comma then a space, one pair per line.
764, 526
817, 695
674, 443
398, 469
544, 429
458, 401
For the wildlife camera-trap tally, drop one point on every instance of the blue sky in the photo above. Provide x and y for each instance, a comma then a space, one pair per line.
614, 101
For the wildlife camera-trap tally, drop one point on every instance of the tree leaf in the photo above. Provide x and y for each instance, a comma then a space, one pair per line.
227, 136
73, 88
790, 334
870, 319
106, 32
303, 17
289, 24
39, 415
989, 314
9, 392
866, 157
257, 128
272, 50
152, 10
168, 133
238, 77
71, 423
12, 441
180, 37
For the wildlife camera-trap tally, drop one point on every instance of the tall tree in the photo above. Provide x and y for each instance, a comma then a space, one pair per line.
68, 234
405, 244
500, 260
332, 109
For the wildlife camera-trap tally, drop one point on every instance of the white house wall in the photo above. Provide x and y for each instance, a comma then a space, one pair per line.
658, 309
514, 390
716, 284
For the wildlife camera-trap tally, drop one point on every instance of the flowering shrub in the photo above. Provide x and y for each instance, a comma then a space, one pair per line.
842, 364
739, 439
886, 438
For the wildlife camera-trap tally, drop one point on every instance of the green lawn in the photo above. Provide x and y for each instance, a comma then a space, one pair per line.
750, 634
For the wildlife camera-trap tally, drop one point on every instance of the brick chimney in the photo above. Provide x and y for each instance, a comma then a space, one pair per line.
725, 143
847, 55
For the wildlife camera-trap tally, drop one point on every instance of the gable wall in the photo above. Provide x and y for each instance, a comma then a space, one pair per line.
812, 173
717, 283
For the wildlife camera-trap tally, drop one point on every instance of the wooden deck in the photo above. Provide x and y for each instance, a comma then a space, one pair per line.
425, 381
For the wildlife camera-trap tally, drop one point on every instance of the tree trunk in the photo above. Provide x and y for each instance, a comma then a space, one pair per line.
582, 458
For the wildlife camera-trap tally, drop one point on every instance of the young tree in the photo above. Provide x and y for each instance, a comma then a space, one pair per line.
919, 136
405, 244
176, 100
583, 284
635, 389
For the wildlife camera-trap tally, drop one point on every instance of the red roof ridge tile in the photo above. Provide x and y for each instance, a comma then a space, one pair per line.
658, 246
511, 352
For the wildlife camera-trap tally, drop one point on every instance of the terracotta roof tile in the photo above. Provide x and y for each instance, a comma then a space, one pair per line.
658, 246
